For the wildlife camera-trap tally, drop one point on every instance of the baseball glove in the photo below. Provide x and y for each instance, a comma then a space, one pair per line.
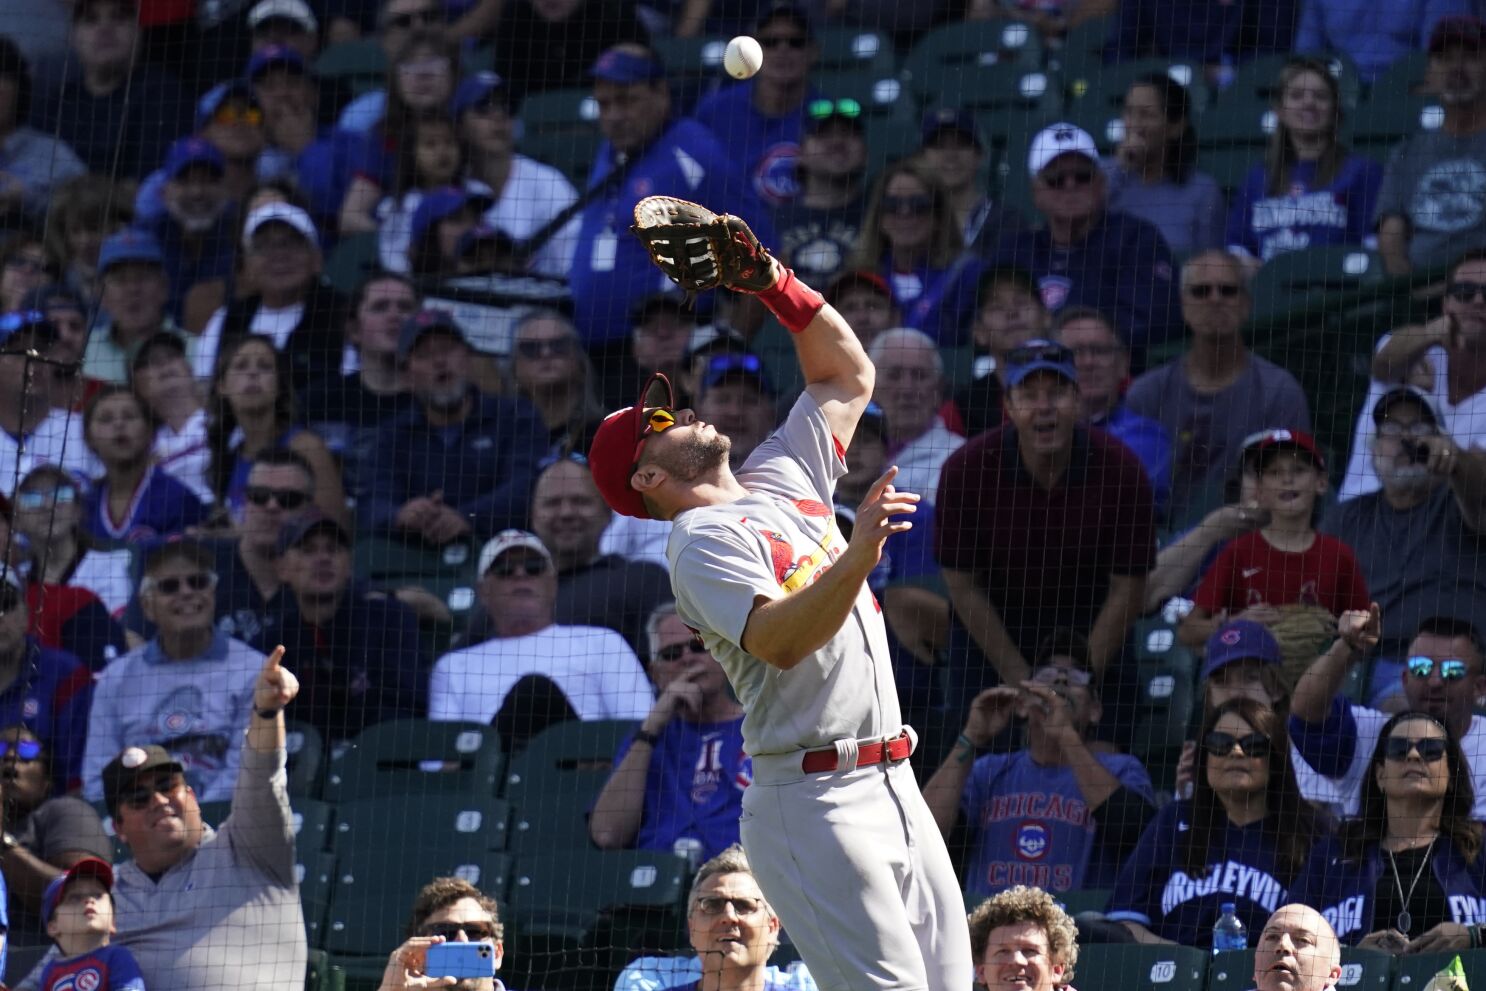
700, 250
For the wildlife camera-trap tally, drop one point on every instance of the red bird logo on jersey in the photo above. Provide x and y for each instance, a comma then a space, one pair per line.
811, 507
781, 555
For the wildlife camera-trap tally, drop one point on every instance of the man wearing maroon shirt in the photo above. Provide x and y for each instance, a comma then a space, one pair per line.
1043, 524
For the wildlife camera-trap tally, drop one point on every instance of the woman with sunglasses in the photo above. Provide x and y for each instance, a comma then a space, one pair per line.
551, 370
912, 238
250, 409
134, 499
1153, 176
1310, 190
45, 829
1405, 875
1242, 837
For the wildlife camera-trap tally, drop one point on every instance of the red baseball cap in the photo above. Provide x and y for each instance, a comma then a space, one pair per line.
1295, 440
615, 451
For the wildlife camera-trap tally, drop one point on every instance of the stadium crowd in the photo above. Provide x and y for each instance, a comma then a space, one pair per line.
286, 341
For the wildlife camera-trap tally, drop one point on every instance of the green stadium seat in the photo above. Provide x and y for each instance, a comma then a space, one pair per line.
888, 140
1082, 54
850, 49
316, 877
564, 894
417, 757
1229, 165
359, 65
1292, 284
373, 891
560, 127
1104, 86
1365, 970
306, 751
689, 57
1406, 76
447, 572
1134, 967
320, 975
1412, 973
1232, 970
1003, 97
1389, 117
555, 779
1167, 673
971, 43
1086, 900
1256, 79
312, 825
459, 824
351, 260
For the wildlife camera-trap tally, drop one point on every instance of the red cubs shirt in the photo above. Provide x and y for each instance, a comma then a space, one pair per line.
1251, 571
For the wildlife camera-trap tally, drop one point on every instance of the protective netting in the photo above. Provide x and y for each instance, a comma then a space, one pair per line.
313, 309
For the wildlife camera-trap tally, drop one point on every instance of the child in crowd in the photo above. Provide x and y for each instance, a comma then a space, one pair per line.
78, 910
1285, 575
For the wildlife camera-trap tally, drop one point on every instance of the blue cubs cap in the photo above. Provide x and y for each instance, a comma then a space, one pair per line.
423, 323
1240, 640
725, 367
274, 56
618, 66
442, 203
186, 152
87, 867
1039, 356
212, 100
129, 245
479, 88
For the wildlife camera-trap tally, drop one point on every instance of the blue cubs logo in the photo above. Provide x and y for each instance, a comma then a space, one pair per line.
774, 175
87, 979
1031, 840
1054, 290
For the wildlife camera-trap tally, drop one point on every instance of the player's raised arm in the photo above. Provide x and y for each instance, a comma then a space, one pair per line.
700, 250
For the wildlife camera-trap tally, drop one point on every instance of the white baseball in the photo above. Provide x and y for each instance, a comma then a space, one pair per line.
743, 57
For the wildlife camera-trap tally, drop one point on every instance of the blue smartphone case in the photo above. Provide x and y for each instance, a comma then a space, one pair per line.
460, 960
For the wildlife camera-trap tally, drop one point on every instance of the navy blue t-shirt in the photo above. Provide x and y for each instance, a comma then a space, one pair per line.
1155, 890
161, 505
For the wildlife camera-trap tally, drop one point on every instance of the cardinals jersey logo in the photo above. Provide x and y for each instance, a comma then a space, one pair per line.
811, 507
781, 555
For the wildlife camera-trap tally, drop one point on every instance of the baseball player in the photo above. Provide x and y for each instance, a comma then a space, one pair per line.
840, 839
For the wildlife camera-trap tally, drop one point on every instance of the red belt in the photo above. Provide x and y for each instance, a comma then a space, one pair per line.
898, 748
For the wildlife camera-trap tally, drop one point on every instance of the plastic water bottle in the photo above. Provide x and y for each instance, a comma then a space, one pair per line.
1229, 932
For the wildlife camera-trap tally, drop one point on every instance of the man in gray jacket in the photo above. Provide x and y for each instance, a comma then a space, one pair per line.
205, 910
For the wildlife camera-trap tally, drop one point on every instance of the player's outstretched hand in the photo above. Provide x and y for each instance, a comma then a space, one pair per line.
875, 523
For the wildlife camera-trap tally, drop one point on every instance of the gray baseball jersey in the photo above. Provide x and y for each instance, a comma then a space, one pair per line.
776, 541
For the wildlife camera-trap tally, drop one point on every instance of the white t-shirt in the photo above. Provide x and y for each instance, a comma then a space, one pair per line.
1342, 795
594, 667
106, 575
922, 459
184, 454
1361, 478
278, 324
637, 540
773, 542
57, 440
534, 194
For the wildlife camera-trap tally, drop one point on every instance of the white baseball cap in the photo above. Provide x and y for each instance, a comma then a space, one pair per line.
1060, 139
290, 10
282, 213
510, 540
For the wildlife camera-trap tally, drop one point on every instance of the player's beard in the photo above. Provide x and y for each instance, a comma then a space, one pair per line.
694, 460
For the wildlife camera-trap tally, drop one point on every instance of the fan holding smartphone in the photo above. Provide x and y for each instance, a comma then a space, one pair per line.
454, 942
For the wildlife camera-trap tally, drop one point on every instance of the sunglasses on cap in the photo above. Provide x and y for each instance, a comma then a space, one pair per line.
23, 749
1027, 354
1430, 749
823, 109
1219, 744
1451, 669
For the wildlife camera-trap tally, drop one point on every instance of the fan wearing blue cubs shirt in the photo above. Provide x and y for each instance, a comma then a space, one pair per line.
762, 120
78, 910
134, 500
1056, 815
1242, 837
1407, 874
678, 780
646, 152
1089, 255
